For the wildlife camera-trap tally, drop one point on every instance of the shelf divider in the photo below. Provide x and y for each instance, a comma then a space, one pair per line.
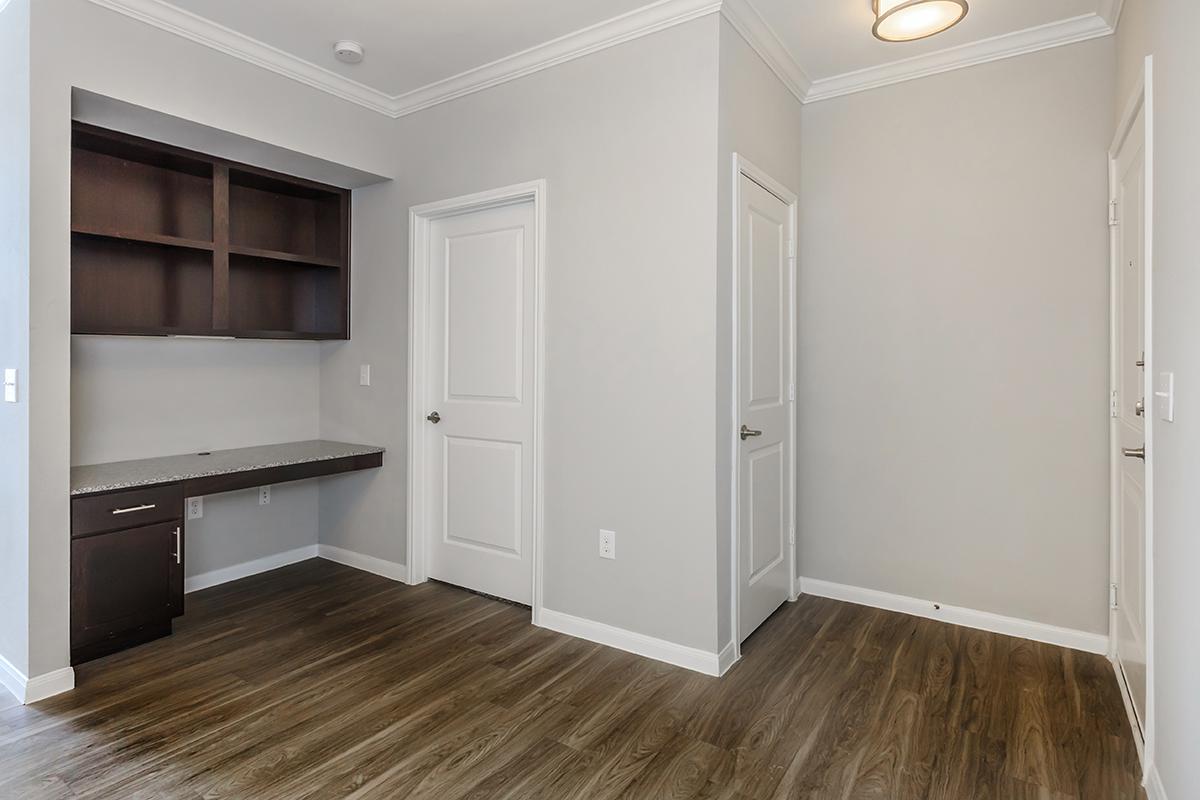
220, 306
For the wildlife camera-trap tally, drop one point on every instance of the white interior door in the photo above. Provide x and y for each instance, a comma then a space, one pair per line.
764, 380
1130, 427
480, 401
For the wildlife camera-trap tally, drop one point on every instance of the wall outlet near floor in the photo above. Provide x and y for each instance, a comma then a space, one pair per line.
195, 507
608, 544
264, 495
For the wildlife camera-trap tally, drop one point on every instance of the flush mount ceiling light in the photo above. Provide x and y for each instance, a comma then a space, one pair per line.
909, 20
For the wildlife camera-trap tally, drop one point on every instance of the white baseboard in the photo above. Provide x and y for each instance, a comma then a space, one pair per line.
1154, 785
244, 570
637, 643
31, 690
727, 658
967, 617
13, 679
378, 566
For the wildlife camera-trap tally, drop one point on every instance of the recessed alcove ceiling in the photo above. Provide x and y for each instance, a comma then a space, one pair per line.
421, 52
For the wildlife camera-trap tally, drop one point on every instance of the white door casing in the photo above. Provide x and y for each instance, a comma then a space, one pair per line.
475, 477
1132, 418
764, 395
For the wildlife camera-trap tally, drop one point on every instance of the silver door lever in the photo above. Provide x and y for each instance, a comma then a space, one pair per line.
435, 418
746, 433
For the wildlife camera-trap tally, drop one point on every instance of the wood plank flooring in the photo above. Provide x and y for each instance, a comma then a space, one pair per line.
320, 681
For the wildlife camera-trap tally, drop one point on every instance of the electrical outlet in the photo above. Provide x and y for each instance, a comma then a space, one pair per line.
264, 495
364, 375
195, 507
608, 544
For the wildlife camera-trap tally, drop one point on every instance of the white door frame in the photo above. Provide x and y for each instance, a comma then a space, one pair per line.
1142, 100
420, 220
743, 166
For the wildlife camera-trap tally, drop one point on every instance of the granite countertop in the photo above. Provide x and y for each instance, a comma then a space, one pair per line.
95, 478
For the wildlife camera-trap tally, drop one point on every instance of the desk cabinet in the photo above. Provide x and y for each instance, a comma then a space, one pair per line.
126, 569
127, 531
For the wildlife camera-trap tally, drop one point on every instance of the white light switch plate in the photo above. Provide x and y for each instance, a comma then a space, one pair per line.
364, 375
1164, 396
10, 386
264, 495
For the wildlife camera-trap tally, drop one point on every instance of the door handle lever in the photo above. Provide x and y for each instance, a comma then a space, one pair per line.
746, 433
1134, 452
435, 418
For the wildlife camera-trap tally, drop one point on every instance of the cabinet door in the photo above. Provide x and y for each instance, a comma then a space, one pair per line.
123, 580
175, 564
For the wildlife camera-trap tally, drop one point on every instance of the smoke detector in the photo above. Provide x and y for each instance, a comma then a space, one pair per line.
348, 52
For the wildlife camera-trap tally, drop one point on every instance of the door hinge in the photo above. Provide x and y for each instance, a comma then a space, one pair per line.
1112, 212
791, 248
1114, 405
791, 534
791, 392
1112, 595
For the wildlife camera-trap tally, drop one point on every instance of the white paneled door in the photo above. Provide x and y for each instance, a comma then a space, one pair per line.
763, 397
480, 401
1131, 409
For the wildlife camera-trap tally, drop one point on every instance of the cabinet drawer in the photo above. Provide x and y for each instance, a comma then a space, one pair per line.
120, 510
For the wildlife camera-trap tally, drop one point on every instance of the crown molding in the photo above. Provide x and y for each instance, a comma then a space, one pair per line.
195, 28
1030, 40
1111, 10
641, 22
618, 30
652, 18
746, 20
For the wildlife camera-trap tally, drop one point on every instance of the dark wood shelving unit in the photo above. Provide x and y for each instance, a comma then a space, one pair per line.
166, 241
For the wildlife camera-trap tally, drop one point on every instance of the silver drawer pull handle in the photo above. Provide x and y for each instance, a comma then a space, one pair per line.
178, 547
132, 509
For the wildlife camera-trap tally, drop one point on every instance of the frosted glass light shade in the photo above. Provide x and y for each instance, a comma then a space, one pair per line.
908, 20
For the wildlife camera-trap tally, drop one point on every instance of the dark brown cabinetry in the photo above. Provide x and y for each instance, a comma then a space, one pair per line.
167, 241
126, 569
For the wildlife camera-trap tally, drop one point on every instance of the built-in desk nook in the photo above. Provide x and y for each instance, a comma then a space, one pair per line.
207, 269
128, 528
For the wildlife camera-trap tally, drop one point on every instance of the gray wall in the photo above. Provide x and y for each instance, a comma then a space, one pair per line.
77, 43
760, 120
138, 398
14, 331
954, 338
1166, 29
626, 138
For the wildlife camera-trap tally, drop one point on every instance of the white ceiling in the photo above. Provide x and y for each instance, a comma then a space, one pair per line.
833, 37
409, 43
423, 52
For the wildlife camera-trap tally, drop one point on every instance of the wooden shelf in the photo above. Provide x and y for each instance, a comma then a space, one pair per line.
293, 258
169, 242
145, 238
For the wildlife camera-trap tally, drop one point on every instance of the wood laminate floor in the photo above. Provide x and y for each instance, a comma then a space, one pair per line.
319, 681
